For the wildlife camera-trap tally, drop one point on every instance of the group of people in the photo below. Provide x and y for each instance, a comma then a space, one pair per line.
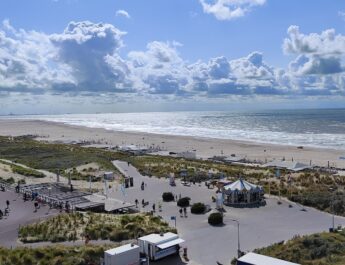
6, 211
145, 203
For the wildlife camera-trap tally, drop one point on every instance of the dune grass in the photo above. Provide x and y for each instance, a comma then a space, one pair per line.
54, 157
317, 249
75, 226
54, 255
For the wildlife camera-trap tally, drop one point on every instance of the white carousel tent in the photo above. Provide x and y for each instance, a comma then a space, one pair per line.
241, 192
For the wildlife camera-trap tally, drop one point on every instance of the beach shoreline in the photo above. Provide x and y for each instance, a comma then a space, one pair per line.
205, 147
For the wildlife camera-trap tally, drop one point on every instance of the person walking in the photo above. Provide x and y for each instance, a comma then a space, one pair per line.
1, 214
185, 211
180, 212
8, 204
143, 202
136, 203
154, 207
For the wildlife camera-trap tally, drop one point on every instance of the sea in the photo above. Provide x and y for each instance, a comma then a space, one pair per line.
323, 128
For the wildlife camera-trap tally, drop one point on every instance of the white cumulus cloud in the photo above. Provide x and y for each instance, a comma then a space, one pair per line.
84, 60
229, 9
122, 13
316, 53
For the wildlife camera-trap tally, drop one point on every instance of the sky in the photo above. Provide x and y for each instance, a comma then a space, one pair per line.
86, 56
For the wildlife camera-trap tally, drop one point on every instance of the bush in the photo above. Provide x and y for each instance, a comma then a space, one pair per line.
168, 197
119, 235
215, 219
198, 208
183, 202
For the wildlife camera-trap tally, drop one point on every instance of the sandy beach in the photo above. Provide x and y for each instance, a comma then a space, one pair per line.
205, 147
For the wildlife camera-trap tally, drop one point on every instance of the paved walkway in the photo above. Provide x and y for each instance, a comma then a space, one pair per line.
206, 244
21, 213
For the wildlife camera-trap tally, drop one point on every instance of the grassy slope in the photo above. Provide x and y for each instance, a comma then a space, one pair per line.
55, 255
54, 157
74, 226
317, 249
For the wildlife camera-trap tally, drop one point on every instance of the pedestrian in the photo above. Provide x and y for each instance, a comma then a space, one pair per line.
185, 211
180, 212
128, 163
6, 212
143, 202
136, 203
36, 206
154, 207
8, 204
1, 214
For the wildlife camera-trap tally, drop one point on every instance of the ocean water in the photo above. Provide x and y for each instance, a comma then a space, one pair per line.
318, 127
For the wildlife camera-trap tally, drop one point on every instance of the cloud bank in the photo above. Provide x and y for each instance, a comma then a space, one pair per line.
84, 60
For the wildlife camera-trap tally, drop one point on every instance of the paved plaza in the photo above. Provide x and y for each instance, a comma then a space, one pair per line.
21, 213
206, 244
259, 227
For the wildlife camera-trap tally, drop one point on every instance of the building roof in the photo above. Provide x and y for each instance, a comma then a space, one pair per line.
121, 249
241, 185
110, 204
132, 147
170, 243
157, 238
257, 259
290, 165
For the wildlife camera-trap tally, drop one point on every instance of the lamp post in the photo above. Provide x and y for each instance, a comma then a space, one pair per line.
238, 238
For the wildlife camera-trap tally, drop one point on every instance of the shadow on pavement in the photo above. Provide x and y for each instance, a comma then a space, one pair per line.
171, 260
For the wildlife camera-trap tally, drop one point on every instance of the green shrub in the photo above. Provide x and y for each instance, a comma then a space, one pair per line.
168, 197
119, 235
26, 171
183, 202
198, 208
215, 219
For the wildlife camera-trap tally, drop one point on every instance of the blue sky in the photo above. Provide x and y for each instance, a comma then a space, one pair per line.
154, 54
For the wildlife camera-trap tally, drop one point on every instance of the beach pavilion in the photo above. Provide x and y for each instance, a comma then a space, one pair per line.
242, 193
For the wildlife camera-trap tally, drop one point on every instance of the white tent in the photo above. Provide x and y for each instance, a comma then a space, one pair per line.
242, 193
290, 165
241, 185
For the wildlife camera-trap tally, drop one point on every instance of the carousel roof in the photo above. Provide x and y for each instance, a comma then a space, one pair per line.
240, 185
